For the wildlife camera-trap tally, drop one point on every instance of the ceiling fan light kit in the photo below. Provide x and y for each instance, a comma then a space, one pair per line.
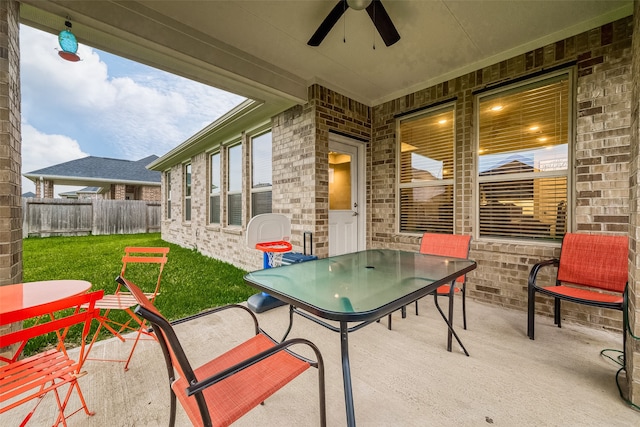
358, 4
376, 11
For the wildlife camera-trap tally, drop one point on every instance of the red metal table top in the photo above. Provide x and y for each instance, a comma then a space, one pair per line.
32, 294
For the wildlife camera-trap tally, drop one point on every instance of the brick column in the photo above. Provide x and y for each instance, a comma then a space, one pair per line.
118, 191
48, 190
633, 345
10, 158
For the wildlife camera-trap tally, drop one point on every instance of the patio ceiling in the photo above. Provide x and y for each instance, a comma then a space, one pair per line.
259, 49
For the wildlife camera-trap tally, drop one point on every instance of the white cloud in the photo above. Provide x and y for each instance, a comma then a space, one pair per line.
147, 112
40, 150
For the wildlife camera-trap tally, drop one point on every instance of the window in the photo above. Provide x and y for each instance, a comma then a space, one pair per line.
425, 172
167, 180
187, 192
234, 189
523, 138
261, 162
214, 189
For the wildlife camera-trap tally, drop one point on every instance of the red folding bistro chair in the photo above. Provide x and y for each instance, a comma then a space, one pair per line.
122, 300
450, 245
24, 380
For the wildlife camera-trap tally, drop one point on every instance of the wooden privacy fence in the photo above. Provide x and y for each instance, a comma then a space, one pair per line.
63, 217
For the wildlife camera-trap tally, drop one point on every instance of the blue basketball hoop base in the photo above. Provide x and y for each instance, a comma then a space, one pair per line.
263, 302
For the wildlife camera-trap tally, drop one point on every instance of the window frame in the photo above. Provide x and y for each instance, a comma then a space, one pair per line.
229, 192
521, 86
167, 178
211, 194
399, 186
188, 190
252, 189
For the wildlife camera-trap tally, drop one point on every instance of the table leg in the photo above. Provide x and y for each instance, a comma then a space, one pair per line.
286, 334
449, 325
346, 375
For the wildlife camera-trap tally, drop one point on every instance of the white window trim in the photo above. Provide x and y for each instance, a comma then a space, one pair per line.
210, 154
184, 193
227, 192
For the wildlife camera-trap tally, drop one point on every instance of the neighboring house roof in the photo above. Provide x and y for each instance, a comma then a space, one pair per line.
85, 190
89, 190
29, 194
99, 171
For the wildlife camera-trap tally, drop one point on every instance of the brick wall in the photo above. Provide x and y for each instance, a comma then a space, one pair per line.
225, 243
294, 171
10, 157
118, 191
602, 61
633, 345
150, 193
10, 149
336, 113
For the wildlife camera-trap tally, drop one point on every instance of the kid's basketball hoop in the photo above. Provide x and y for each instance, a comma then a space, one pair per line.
269, 233
274, 252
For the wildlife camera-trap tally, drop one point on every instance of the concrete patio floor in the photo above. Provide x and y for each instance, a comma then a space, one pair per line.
402, 377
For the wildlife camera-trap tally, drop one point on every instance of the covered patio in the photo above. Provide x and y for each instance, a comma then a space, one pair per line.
403, 376
400, 377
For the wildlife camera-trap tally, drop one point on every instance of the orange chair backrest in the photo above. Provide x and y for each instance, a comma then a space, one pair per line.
145, 255
451, 245
595, 260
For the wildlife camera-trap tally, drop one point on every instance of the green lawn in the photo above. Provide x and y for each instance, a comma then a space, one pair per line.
190, 283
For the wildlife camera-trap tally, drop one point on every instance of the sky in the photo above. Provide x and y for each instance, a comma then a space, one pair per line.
104, 106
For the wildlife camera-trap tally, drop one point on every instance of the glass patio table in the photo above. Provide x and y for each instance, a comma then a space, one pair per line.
358, 288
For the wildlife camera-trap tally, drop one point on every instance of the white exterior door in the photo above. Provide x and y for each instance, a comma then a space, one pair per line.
346, 196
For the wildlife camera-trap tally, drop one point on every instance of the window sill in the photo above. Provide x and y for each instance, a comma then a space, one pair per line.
233, 229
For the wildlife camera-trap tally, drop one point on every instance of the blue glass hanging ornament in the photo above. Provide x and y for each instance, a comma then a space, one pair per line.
68, 43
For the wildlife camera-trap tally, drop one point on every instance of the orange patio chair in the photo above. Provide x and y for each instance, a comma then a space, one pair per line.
124, 301
592, 270
24, 380
228, 386
450, 245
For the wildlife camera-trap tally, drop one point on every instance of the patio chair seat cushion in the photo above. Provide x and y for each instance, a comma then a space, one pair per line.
445, 289
584, 294
229, 399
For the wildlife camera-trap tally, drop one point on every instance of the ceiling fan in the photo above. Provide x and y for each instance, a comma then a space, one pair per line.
376, 12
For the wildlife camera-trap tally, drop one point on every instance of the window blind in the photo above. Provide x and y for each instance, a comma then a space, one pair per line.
426, 163
261, 174
523, 136
234, 195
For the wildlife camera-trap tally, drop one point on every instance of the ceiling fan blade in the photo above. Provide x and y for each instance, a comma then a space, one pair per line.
328, 23
383, 23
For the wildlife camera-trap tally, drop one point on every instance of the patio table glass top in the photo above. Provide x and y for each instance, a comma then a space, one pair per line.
361, 285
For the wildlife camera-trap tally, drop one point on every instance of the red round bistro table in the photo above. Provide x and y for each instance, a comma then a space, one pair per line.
33, 294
